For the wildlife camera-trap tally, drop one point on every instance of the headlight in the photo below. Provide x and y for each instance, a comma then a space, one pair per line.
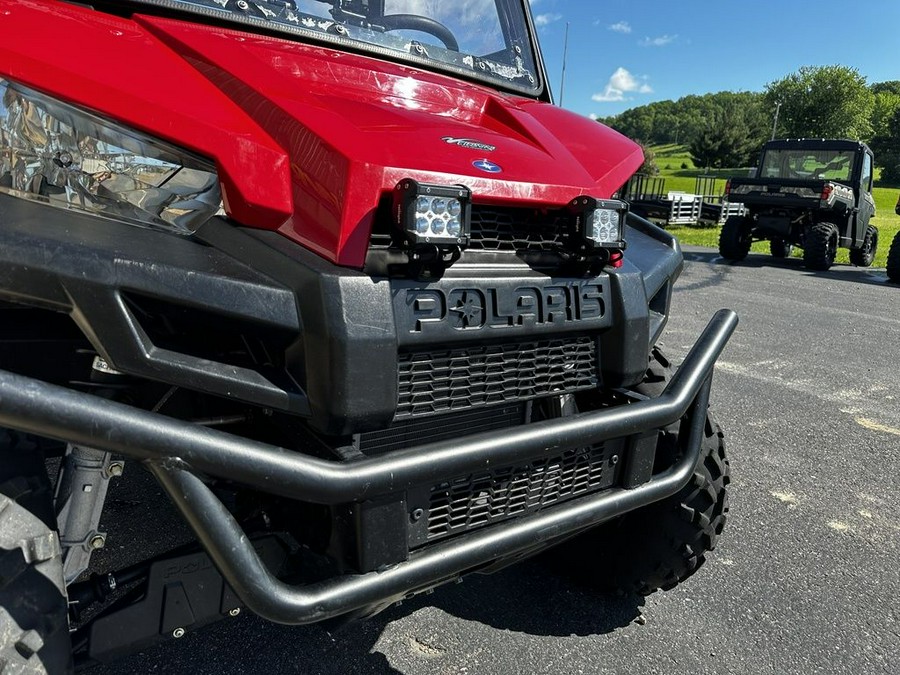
58, 154
599, 223
433, 214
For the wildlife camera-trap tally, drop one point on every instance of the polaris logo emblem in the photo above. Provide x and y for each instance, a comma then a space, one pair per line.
468, 309
469, 143
487, 165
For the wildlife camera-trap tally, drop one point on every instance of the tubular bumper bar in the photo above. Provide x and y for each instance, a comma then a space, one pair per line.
177, 448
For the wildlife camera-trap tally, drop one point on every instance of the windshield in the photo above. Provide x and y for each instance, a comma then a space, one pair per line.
820, 164
485, 39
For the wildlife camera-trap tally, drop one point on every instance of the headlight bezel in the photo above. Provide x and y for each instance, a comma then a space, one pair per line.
63, 155
588, 224
408, 215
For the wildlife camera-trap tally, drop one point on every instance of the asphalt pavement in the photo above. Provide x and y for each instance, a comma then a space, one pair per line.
806, 578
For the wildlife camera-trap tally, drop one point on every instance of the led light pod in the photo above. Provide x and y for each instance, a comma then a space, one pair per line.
433, 214
599, 223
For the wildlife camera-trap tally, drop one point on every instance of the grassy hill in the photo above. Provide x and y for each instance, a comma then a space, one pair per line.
680, 174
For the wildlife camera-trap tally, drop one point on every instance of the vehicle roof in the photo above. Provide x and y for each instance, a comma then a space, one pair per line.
816, 144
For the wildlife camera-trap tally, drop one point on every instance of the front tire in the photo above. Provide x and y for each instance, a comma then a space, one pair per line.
820, 246
863, 257
34, 629
735, 238
893, 260
664, 543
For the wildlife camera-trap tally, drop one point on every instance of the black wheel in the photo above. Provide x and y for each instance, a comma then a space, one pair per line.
863, 257
423, 24
780, 248
735, 238
893, 260
34, 628
820, 246
662, 544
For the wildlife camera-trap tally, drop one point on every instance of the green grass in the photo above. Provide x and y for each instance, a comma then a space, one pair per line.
669, 158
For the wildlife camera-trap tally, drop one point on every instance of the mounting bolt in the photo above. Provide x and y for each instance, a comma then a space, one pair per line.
614, 459
242, 5
98, 541
234, 612
115, 469
416, 515
177, 633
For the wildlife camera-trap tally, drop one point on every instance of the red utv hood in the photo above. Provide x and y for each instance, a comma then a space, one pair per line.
309, 139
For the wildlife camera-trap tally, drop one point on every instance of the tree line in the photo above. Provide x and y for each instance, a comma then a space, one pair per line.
727, 129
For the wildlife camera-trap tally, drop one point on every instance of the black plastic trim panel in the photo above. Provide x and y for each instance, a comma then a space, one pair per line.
82, 265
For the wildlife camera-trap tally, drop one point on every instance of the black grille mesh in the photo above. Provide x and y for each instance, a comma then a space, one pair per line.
445, 380
484, 497
499, 229
503, 229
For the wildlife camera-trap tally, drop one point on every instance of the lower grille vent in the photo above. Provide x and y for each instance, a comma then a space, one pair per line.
479, 499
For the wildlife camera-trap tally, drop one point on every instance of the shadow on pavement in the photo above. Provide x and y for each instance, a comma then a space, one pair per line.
529, 598
532, 597
838, 272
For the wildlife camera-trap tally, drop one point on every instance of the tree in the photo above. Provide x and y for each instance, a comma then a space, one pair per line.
889, 87
823, 102
730, 137
886, 105
887, 151
649, 166
682, 120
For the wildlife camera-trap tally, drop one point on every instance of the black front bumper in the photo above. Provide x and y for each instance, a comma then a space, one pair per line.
175, 450
341, 348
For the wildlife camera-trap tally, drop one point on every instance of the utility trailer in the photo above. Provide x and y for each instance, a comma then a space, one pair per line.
647, 197
715, 207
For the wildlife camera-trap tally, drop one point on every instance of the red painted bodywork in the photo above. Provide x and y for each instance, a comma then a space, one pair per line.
307, 140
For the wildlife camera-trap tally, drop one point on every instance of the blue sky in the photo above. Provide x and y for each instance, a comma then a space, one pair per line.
626, 53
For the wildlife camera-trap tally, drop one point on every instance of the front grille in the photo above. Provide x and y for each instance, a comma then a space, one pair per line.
510, 229
439, 381
431, 429
479, 499
505, 229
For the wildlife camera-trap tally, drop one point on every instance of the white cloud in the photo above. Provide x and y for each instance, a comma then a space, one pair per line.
620, 83
546, 19
660, 41
620, 27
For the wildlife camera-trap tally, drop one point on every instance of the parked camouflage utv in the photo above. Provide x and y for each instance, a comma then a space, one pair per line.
347, 284
812, 193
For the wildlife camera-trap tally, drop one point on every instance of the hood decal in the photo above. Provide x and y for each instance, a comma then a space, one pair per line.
469, 143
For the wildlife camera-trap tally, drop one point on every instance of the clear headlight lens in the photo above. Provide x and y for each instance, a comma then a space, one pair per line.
432, 214
57, 154
605, 226
441, 215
